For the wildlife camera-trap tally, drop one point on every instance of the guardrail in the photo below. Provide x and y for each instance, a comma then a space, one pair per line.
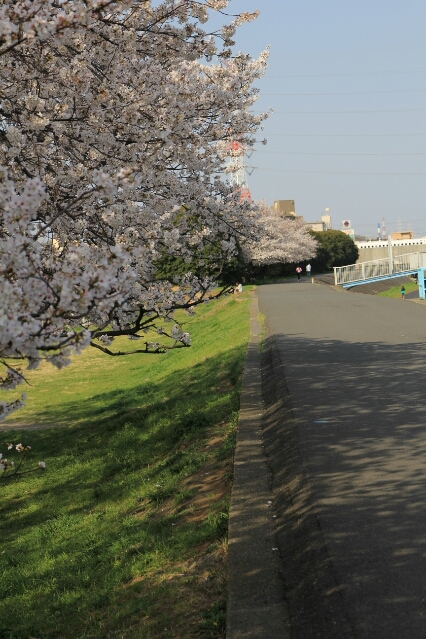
376, 269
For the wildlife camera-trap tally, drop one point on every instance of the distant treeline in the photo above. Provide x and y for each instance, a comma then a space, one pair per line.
335, 248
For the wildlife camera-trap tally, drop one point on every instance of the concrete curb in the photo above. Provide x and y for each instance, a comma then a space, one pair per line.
256, 605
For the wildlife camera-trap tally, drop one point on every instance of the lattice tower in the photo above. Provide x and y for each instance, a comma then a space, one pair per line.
238, 175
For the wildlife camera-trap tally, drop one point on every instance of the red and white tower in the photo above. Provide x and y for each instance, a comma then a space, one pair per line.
238, 172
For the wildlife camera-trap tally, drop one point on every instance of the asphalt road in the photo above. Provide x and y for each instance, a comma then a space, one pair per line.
355, 367
414, 295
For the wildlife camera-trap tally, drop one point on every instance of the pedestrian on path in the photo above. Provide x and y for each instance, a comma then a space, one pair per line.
403, 292
298, 271
308, 270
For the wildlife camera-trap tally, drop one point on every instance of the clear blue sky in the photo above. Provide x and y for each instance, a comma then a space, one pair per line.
347, 83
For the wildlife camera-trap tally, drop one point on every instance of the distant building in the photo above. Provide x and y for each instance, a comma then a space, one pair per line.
326, 219
316, 226
285, 208
402, 235
323, 225
379, 249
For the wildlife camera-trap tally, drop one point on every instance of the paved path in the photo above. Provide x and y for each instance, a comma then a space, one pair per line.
355, 372
414, 295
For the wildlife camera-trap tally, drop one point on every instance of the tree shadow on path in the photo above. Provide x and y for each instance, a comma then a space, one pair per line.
345, 432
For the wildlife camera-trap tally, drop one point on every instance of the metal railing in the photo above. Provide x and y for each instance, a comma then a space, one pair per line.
378, 268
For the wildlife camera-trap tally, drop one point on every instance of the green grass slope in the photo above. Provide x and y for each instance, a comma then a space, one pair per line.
123, 535
395, 291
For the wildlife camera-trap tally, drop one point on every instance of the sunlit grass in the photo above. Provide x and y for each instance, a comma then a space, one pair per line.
395, 291
101, 543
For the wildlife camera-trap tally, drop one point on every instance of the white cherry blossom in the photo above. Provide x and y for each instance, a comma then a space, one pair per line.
113, 119
278, 239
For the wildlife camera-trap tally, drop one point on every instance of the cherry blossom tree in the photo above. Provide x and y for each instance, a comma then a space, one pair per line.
278, 239
9, 469
114, 120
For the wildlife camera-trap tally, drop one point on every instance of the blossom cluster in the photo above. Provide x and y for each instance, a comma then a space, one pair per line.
8, 468
278, 239
113, 114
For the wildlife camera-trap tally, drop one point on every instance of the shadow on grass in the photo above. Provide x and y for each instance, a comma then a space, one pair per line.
78, 535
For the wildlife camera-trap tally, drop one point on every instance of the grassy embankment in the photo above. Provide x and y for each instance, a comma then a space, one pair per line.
124, 534
395, 291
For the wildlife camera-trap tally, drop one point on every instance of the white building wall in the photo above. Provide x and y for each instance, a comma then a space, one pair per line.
378, 249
